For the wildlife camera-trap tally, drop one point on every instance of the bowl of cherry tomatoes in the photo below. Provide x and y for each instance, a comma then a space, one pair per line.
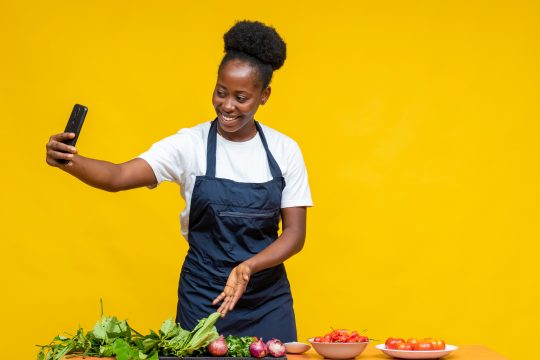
426, 348
340, 344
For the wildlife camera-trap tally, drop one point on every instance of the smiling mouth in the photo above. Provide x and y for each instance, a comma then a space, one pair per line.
228, 118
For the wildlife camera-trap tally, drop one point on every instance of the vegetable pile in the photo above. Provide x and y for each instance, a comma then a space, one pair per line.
112, 337
425, 344
342, 336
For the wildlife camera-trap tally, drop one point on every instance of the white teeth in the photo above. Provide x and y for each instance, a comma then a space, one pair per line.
227, 117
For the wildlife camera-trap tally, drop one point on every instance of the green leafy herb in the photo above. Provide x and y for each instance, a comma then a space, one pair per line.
239, 346
185, 342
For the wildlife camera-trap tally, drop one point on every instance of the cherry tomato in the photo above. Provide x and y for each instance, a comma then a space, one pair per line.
400, 345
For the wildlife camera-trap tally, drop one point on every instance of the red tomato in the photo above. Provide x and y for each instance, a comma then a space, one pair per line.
424, 346
433, 342
400, 345
363, 338
412, 341
391, 343
440, 344
408, 346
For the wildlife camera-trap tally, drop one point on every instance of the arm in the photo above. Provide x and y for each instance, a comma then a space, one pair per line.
99, 174
289, 243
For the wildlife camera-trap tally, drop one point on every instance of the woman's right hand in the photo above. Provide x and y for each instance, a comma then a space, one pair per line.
57, 150
98, 173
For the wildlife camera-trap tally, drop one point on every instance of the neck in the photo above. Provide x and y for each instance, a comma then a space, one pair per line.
245, 133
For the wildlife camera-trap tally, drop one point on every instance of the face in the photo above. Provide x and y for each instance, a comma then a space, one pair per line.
236, 98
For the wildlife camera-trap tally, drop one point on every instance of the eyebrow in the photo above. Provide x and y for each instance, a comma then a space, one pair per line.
237, 91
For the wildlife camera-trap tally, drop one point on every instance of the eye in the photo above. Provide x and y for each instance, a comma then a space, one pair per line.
220, 93
241, 99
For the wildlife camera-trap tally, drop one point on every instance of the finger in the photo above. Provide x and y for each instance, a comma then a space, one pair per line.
57, 163
223, 309
235, 299
60, 146
55, 155
63, 136
52, 162
239, 291
219, 298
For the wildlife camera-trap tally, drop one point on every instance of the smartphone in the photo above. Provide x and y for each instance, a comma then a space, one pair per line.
74, 125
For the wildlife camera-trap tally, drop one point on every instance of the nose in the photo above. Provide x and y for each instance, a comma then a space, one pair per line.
228, 105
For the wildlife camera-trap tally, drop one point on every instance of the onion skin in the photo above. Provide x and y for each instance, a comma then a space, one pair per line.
276, 348
258, 349
218, 347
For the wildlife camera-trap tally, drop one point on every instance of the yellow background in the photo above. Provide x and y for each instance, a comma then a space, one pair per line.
418, 121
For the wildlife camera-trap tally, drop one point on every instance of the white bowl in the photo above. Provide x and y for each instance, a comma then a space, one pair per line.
417, 354
296, 347
338, 350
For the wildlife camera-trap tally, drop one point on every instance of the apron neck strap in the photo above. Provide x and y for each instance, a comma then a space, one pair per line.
212, 146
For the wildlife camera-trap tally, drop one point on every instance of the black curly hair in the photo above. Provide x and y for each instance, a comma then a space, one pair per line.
258, 44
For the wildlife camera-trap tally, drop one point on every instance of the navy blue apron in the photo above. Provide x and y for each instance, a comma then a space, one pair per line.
229, 222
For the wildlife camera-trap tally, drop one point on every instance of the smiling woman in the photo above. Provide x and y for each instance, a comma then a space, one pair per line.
253, 52
239, 179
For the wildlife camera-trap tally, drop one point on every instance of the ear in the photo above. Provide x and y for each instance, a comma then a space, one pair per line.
265, 95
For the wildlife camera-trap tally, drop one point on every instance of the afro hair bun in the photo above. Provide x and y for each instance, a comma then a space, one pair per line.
257, 40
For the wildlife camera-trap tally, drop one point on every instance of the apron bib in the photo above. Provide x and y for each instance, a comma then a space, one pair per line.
230, 222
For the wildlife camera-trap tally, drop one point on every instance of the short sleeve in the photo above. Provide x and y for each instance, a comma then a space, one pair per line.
296, 191
170, 157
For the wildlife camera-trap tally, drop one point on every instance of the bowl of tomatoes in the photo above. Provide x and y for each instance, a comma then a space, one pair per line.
340, 344
426, 348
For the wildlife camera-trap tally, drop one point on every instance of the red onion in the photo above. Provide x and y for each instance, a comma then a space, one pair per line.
276, 348
258, 349
218, 347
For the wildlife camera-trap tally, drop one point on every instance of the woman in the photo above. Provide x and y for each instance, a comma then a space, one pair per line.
238, 178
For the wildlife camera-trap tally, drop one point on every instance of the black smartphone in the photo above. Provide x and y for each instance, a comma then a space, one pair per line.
74, 125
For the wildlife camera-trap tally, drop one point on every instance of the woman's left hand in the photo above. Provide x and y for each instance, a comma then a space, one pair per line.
234, 289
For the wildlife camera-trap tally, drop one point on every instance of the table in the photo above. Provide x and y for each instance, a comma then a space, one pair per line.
464, 352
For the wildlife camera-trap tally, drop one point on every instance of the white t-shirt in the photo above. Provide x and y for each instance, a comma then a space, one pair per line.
182, 157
